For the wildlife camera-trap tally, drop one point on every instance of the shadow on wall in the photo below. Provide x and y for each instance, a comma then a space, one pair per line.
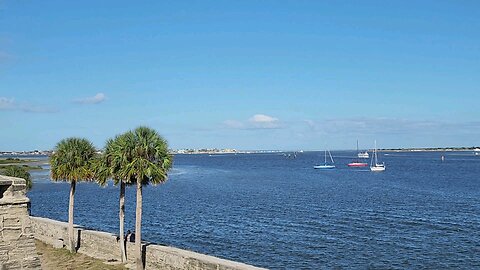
79, 239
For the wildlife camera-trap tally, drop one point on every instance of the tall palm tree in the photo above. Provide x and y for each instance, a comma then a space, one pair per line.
109, 165
72, 162
20, 172
149, 164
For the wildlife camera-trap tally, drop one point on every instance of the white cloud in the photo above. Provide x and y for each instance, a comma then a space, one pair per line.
264, 121
98, 98
257, 121
10, 104
262, 118
6, 103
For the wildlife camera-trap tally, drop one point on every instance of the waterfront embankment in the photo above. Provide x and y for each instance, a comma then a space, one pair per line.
18, 249
105, 246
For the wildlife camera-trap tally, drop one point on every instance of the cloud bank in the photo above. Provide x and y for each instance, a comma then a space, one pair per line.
98, 98
416, 129
384, 125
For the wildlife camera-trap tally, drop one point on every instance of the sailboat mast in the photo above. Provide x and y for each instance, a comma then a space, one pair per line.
375, 153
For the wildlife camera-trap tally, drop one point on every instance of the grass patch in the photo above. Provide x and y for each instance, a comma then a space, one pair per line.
52, 258
15, 160
28, 167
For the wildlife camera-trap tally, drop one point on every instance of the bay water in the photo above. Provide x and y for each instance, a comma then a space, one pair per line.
278, 212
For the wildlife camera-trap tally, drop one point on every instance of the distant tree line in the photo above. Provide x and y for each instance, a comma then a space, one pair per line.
18, 171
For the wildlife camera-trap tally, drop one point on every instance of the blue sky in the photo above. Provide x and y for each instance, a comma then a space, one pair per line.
241, 74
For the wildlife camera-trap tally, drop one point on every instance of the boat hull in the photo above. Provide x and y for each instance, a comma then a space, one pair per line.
357, 164
377, 168
324, 167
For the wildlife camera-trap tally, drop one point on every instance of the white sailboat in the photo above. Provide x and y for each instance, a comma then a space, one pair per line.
325, 164
363, 155
376, 167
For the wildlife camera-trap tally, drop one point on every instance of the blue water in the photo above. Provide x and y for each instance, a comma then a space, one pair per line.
279, 213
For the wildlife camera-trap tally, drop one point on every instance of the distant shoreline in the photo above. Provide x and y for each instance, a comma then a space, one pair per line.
35, 154
445, 149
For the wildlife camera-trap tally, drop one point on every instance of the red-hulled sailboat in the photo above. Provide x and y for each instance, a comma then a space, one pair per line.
356, 162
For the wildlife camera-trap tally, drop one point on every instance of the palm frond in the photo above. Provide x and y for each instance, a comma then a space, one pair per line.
72, 160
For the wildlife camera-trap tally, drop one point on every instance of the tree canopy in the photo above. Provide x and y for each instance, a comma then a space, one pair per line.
72, 160
150, 160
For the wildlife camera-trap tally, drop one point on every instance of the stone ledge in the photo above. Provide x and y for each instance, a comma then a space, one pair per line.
9, 180
191, 257
12, 191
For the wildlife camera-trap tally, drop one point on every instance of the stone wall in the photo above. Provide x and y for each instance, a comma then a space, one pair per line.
17, 245
105, 246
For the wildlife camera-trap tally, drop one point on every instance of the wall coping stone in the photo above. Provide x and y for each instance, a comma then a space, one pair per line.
13, 190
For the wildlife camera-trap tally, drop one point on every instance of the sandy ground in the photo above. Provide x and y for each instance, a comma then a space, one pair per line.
53, 259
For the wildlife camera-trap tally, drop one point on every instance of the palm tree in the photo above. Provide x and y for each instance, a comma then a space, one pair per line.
109, 165
148, 164
20, 172
72, 162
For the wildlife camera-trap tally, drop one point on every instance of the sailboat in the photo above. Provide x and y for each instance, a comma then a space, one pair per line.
363, 155
357, 163
326, 165
377, 167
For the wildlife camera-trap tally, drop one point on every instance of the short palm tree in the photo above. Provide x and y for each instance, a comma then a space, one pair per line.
148, 163
109, 165
20, 172
72, 162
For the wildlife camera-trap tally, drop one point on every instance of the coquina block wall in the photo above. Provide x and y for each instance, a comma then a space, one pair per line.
17, 244
105, 246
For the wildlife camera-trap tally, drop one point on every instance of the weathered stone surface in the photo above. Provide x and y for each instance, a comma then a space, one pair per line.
17, 246
58, 243
104, 246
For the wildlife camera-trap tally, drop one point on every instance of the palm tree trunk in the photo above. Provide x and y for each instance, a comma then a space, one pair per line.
138, 227
121, 215
71, 237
